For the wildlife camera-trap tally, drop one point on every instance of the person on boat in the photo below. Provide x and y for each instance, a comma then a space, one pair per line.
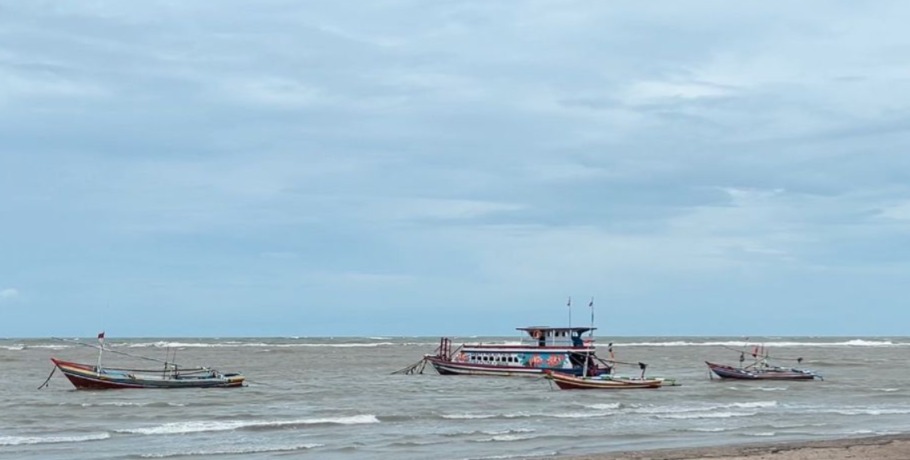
592, 367
576, 341
541, 338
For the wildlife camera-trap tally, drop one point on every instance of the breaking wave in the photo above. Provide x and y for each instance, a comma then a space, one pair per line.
238, 450
22, 440
230, 425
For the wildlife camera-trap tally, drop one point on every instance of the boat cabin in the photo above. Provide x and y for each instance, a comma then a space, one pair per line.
544, 348
545, 336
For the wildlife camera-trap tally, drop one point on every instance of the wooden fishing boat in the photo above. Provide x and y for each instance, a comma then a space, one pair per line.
91, 377
170, 375
601, 382
561, 349
761, 371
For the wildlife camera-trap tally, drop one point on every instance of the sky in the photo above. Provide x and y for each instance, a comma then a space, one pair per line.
411, 168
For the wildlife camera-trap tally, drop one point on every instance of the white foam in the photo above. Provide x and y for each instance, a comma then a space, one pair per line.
130, 404
20, 440
579, 415
866, 411
702, 415
752, 404
661, 410
204, 426
467, 416
604, 406
234, 451
507, 438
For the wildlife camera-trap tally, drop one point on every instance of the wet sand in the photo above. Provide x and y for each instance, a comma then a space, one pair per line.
892, 447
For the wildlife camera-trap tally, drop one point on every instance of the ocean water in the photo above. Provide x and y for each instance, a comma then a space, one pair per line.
336, 398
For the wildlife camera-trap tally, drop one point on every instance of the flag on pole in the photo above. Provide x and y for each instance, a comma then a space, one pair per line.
101, 336
591, 304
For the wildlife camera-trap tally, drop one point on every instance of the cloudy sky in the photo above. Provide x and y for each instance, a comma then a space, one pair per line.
404, 167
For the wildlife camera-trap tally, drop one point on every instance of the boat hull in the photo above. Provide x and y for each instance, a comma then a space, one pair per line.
569, 382
730, 372
86, 377
449, 367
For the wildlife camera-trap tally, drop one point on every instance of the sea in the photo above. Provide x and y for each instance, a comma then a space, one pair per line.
338, 398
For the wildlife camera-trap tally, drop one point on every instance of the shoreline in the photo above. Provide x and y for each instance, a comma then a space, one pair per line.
882, 447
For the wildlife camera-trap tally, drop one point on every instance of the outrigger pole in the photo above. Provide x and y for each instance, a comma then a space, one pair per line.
569, 304
111, 350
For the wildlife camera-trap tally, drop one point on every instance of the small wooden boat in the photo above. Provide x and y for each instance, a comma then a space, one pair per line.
170, 375
90, 377
601, 382
761, 371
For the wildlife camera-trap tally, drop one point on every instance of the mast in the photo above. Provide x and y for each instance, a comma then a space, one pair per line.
591, 304
589, 344
569, 304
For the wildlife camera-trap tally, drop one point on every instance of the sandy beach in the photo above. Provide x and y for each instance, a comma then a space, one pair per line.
892, 447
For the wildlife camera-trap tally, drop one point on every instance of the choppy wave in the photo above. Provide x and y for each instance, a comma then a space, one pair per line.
506, 438
701, 415
386, 341
131, 404
761, 434
733, 409
866, 411
490, 432
162, 344
604, 406
230, 425
238, 450
516, 455
770, 343
55, 439
713, 429
677, 409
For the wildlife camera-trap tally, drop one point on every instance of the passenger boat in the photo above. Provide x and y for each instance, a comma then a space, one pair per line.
761, 371
542, 349
91, 377
601, 382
